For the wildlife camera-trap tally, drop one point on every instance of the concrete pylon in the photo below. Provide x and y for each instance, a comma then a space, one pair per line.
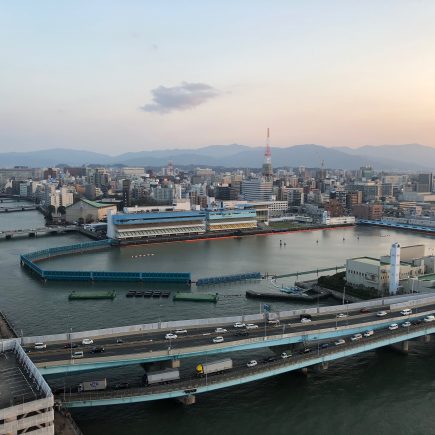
187, 400
394, 268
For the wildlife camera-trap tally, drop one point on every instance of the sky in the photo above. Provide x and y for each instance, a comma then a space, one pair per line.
117, 76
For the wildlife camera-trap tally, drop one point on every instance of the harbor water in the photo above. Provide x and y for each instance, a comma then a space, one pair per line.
378, 392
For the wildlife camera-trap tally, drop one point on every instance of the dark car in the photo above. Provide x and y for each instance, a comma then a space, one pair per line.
119, 341
305, 350
324, 345
70, 346
121, 386
98, 349
241, 333
416, 322
364, 310
269, 359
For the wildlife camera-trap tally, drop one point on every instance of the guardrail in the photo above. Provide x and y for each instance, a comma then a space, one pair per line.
271, 340
240, 375
176, 324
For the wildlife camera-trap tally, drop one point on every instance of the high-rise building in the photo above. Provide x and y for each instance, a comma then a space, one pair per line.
295, 196
267, 165
126, 192
257, 190
424, 183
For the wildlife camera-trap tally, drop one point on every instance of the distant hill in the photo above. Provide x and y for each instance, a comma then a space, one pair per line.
389, 157
52, 157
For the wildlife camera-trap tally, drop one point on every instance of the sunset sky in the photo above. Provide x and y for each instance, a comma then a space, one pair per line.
117, 76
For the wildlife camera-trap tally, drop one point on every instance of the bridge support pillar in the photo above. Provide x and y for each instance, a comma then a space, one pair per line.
402, 347
161, 365
304, 371
323, 366
426, 338
187, 400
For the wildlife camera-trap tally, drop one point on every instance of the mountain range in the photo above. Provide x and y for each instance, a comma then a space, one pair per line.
412, 157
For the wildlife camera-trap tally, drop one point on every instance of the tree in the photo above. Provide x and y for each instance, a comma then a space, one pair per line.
61, 210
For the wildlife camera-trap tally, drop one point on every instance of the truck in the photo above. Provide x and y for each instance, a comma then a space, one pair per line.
92, 385
209, 368
163, 377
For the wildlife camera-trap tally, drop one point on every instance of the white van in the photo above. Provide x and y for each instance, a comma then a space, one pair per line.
40, 345
273, 322
78, 354
406, 312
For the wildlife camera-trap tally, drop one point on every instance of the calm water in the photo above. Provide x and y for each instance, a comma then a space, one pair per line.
378, 392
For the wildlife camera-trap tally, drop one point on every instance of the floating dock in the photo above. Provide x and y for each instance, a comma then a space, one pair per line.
91, 295
278, 296
228, 278
195, 297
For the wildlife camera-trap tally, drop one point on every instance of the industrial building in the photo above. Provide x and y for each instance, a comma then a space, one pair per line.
389, 272
88, 211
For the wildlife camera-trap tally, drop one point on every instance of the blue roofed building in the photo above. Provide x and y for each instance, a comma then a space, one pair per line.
131, 226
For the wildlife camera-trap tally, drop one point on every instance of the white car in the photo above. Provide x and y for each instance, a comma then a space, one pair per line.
220, 330
170, 336
406, 324
87, 341
393, 326
381, 313
40, 346
285, 355
341, 315
239, 325
340, 342
252, 363
218, 339
305, 320
356, 337
251, 326
429, 318
369, 333
180, 331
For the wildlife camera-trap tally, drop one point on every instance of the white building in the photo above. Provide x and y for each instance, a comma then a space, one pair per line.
408, 262
257, 190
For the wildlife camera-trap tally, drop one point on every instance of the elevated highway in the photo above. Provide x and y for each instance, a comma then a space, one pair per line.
151, 346
188, 387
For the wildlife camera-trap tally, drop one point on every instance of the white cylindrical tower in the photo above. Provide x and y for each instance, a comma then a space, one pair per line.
394, 268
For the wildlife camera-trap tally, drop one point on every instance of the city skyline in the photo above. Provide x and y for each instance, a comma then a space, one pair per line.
139, 76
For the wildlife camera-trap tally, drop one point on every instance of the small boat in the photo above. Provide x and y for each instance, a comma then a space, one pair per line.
138, 294
131, 293
148, 294
165, 294
157, 293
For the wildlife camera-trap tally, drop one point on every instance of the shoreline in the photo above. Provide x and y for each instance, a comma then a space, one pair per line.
204, 237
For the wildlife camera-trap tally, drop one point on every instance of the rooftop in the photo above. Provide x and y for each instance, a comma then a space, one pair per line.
15, 385
367, 260
96, 204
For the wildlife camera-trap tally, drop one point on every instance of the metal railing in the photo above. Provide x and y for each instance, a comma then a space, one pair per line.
186, 386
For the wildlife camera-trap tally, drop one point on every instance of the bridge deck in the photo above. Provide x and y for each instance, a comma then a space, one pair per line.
244, 375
